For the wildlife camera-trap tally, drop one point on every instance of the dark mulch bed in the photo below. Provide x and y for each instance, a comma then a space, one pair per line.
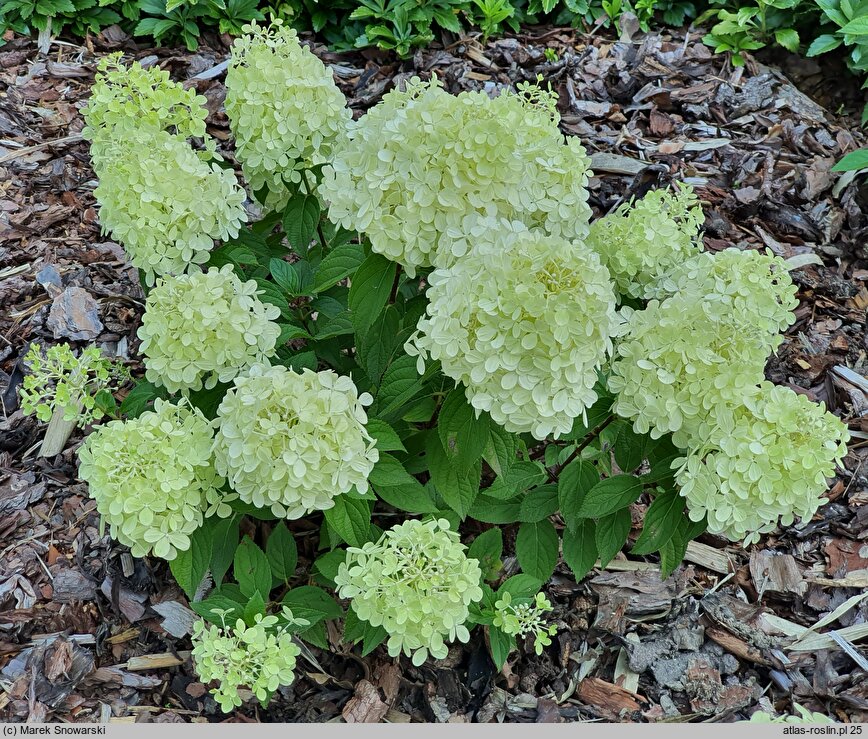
82, 630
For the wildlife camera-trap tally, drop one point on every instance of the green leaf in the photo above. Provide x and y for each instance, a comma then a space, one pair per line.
493, 510
300, 219
288, 332
351, 519
255, 606
537, 549
824, 44
327, 564
788, 38
140, 397
539, 503
284, 274
673, 551
501, 645
282, 552
400, 384
611, 534
270, 293
521, 587
597, 414
389, 471
251, 568
580, 548
376, 348
336, 265
462, 434
387, 438
399, 488
628, 447
854, 160
574, 483
369, 291
458, 487
857, 26
356, 630
312, 603
224, 534
501, 450
610, 495
661, 522
315, 635
521, 476
487, 548
190, 566
205, 608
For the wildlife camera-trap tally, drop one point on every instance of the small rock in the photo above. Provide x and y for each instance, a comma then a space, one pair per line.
50, 279
75, 315
71, 585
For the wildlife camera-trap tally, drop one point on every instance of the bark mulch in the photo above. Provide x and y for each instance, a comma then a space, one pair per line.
89, 634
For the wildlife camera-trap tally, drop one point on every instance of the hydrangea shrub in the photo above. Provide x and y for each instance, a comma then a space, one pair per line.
429, 343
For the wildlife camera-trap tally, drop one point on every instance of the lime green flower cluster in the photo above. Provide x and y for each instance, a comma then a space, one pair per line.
164, 201
747, 283
205, 328
153, 479
770, 458
422, 160
640, 241
260, 658
284, 108
59, 380
125, 100
417, 583
524, 321
804, 717
291, 442
525, 619
164, 204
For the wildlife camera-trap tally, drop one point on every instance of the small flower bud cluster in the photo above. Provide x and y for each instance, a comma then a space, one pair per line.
525, 619
205, 328
284, 108
152, 478
641, 241
524, 321
165, 202
417, 583
292, 442
259, 658
771, 457
59, 380
422, 160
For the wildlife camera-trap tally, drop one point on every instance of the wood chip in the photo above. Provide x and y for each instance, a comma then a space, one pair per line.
156, 661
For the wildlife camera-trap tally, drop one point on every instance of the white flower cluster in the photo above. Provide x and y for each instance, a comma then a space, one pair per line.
285, 111
770, 461
422, 160
152, 478
164, 201
292, 442
524, 321
205, 328
417, 583
640, 241
259, 658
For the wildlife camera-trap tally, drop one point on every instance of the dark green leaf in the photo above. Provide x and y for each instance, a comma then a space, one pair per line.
386, 437
315, 635
369, 291
281, 552
336, 265
612, 533
580, 548
487, 548
140, 397
312, 603
540, 503
351, 519
462, 434
190, 566
574, 483
400, 384
225, 542
610, 495
300, 218
288, 332
205, 608
458, 487
255, 607
629, 447
853, 161
284, 274
327, 564
377, 347
501, 645
270, 293
492, 510
661, 522
501, 450
537, 549
251, 568
521, 587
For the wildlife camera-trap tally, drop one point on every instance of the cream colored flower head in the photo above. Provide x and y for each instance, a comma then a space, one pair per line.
292, 441
523, 321
284, 108
205, 328
641, 241
417, 583
164, 204
753, 285
770, 460
422, 160
152, 478
126, 100
681, 360
260, 658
